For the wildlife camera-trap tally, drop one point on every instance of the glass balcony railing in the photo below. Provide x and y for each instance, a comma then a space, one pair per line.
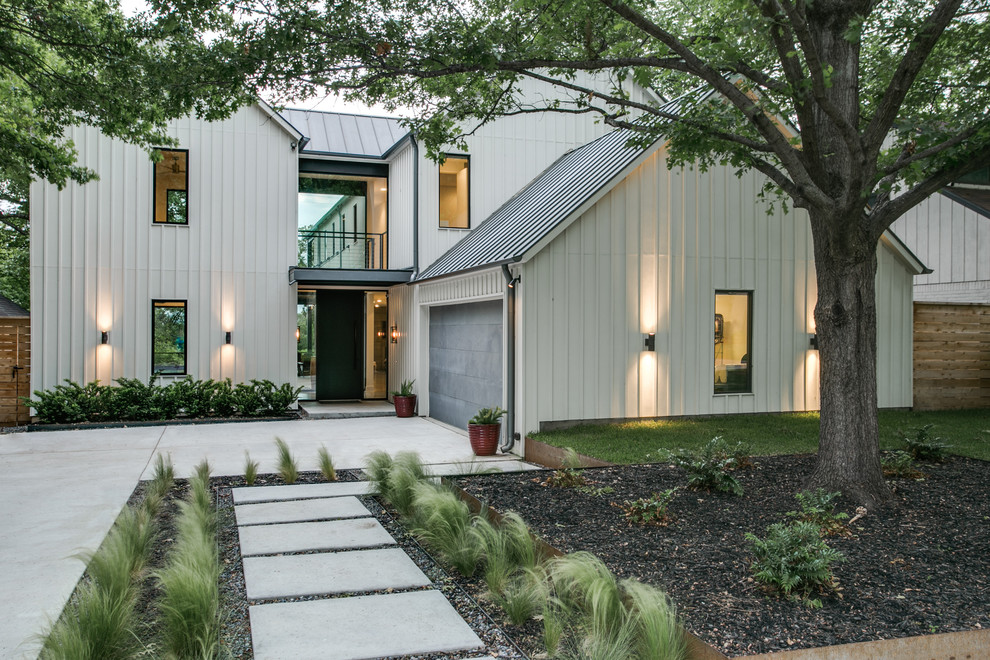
341, 249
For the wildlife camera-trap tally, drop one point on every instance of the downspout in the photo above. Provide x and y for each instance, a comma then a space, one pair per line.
415, 205
510, 357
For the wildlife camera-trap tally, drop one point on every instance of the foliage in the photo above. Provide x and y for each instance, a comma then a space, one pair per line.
900, 464
794, 559
443, 521
163, 477
405, 388
523, 596
709, 468
134, 400
326, 464
924, 447
287, 467
406, 473
250, 469
487, 416
818, 508
15, 262
378, 469
568, 476
651, 509
505, 548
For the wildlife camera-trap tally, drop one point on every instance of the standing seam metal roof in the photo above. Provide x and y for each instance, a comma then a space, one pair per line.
545, 202
345, 135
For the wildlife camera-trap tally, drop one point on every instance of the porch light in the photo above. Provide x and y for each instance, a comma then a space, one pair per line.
814, 340
105, 337
226, 337
395, 334
297, 333
651, 341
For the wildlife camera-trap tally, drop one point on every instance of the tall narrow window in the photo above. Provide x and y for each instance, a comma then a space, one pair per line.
733, 342
172, 187
455, 198
168, 337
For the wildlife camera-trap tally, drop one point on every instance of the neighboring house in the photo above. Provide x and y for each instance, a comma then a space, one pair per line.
326, 248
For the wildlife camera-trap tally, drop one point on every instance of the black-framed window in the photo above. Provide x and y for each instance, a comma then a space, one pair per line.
733, 342
168, 337
455, 192
171, 188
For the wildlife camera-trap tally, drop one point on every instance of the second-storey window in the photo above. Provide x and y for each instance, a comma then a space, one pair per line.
168, 337
172, 187
733, 342
455, 198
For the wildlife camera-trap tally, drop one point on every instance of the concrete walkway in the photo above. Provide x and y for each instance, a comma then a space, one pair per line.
60, 491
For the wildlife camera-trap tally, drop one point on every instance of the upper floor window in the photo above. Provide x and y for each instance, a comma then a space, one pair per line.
733, 342
455, 198
168, 337
171, 191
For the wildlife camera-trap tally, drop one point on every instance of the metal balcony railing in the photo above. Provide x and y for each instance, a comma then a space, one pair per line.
341, 249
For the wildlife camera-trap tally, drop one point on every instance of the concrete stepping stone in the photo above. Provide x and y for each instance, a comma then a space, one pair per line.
329, 508
286, 576
300, 491
306, 536
360, 627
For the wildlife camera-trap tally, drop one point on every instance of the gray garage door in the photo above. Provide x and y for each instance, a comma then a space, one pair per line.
465, 360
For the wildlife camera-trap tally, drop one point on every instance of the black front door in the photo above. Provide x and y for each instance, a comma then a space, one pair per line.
339, 345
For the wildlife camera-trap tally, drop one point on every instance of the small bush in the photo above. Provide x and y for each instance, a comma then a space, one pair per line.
505, 548
443, 521
163, 477
523, 596
569, 476
406, 472
275, 400
651, 509
709, 468
818, 508
250, 469
923, 447
794, 559
287, 467
326, 464
378, 470
900, 464
97, 625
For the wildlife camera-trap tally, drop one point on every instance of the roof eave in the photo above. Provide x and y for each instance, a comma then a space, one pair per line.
904, 254
280, 120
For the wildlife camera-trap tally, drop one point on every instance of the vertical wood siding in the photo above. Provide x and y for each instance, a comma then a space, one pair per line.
97, 262
648, 257
400, 203
894, 332
15, 369
951, 356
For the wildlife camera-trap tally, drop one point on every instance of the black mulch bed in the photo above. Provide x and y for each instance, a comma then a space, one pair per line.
919, 566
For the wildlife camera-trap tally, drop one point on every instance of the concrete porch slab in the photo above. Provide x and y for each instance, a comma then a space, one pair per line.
331, 573
299, 491
306, 536
328, 508
360, 627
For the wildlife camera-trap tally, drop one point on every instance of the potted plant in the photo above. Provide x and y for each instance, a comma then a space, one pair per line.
483, 431
404, 399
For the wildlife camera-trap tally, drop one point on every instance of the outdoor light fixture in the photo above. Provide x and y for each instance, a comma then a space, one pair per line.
395, 334
297, 333
814, 340
226, 337
105, 337
651, 341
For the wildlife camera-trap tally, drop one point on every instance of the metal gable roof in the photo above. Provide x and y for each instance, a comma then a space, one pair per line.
345, 135
548, 200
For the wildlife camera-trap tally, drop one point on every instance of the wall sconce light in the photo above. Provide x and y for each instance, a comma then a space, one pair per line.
395, 334
814, 340
105, 337
226, 337
297, 333
651, 341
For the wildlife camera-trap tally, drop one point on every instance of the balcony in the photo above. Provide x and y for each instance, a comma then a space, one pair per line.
342, 250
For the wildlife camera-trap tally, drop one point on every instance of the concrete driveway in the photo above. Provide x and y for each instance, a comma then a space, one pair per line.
60, 491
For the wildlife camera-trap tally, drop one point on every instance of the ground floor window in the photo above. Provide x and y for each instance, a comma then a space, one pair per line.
733, 342
168, 337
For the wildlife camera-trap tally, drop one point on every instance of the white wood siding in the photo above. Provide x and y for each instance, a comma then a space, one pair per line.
648, 257
97, 262
400, 203
895, 332
954, 241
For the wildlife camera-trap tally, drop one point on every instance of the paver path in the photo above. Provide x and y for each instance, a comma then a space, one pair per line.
384, 604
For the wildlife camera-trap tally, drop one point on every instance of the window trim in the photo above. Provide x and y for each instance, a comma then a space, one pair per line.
185, 343
154, 191
465, 157
750, 295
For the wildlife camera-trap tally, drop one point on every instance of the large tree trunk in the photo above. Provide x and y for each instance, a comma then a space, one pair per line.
846, 324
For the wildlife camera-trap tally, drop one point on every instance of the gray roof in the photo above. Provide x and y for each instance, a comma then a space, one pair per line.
546, 201
10, 309
345, 135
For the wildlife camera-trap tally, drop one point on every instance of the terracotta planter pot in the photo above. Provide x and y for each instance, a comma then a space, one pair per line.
405, 406
484, 438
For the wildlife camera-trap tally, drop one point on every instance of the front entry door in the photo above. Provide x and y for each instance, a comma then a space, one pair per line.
339, 346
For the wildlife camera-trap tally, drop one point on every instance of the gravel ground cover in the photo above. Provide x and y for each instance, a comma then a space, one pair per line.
920, 565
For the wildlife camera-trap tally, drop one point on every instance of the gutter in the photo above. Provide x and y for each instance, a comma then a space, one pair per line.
415, 205
510, 357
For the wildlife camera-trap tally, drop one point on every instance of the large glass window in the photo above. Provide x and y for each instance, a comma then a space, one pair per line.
455, 198
733, 342
171, 190
168, 337
343, 221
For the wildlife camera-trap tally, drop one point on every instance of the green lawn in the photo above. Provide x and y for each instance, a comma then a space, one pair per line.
968, 431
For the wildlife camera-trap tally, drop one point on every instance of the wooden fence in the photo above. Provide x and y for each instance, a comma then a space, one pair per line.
951, 356
15, 372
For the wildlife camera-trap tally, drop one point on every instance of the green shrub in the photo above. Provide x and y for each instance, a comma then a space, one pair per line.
923, 447
794, 559
651, 509
443, 521
287, 467
97, 625
250, 469
135, 400
221, 395
326, 464
505, 548
818, 508
248, 401
900, 464
275, 400
523, 596
69, 403
709, 468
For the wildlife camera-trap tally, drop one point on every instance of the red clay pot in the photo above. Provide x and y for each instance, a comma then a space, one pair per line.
405, 406
484, 438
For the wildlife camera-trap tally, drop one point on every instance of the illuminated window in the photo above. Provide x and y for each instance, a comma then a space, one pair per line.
733, 342
455, 200
168, 337
172, 187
